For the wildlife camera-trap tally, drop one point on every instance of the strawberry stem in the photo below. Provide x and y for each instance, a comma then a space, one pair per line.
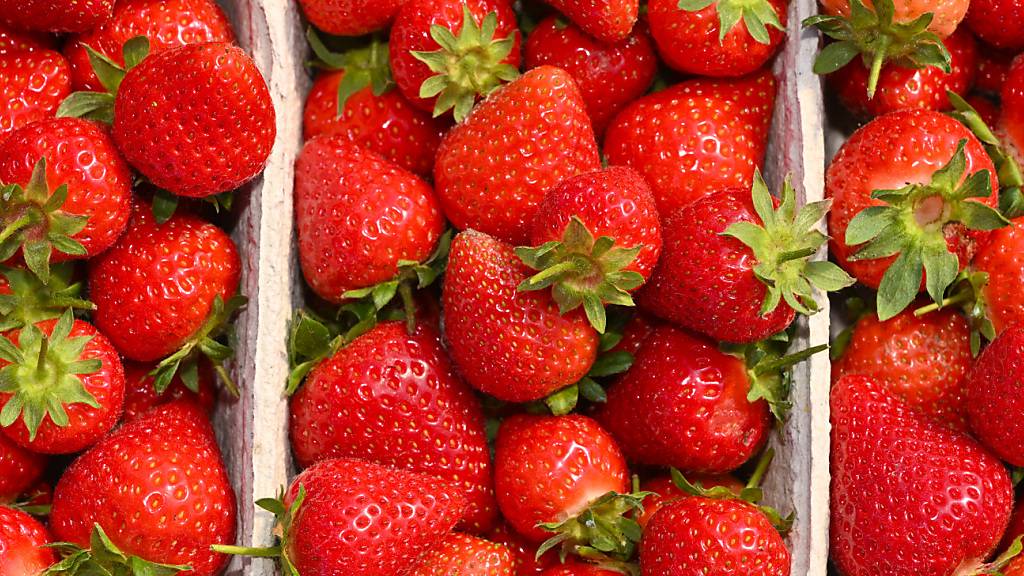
13, 227
226, 379
762, 467
269, 552
877, 59
41, 363
409, 304
957, 298
788, 360
796, 254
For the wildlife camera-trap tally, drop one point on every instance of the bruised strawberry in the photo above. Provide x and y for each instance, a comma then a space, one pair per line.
463, 554
350, 17
994, 402
23, 544
19, 469
140, 393
609, 21
56, 15
32, 86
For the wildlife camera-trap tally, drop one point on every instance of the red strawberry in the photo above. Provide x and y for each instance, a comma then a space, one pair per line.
524, 552
512, 345
64, 386
1011, 123
993, 65
391, 397
986, 109
1016, 527
442, 56
724, 38
462, 554
609, 76
157, 487
695, 137
609, 21
994, 402
19, 469
32, 86
579, 569
1002, 259
909, 495
913, 183
998, 23
56, 15
166, 24
195, 120
74, 192
359, 217
492, 170
664, 490
12, 40
23, 541
140, 393
350, 17
946, 15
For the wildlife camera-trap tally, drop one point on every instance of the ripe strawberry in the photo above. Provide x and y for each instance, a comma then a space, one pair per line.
72, 195
158, 489
195, 120
512, 345
986, 109
492, 170
723, 38
993, 396
524, 553
997, 22
462, 554
1002, 259
579, 569
359, 217
56, 15
664, 490
63, 386
609, 21
19, 469
32, 86
914, 184
909, 495
140, 393
946, 15
695, 137
166, 24
1011, 122
12, 40
447, 53
350, 17
609, 76
23, 541
993, 66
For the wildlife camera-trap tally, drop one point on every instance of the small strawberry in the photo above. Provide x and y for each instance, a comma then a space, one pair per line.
25, 300
579, 569
459, 554
32, 86
140, 393
1011, 122
609, 76
997, 22
156, 489
12, 40
609, 21
19, 469
493, 170
525, 560
56, 15
23, 544
695, 137
61, 384
350, 17
722, 38
1002, 261
513, 345
909, 495
664, 490
994, 402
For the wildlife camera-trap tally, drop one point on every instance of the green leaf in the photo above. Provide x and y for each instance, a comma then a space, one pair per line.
135, 51
109, 73
563, 401
98, 106
164, 206
900, 283
835, 56
610, 364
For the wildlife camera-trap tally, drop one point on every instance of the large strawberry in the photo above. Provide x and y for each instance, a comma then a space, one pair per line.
909, 495
1011, 122
664, 490
609, 21
350, 17
493, 170
993, 66
32, 86
155, 488
695, 137
19, 469
463, 554
998, 23
56, 15
994, 403
140, 393
23, 544
1002, 263
512, 345
913, 201
70, 193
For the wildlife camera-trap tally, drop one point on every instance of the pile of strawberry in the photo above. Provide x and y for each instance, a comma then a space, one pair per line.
928, 419
116, 302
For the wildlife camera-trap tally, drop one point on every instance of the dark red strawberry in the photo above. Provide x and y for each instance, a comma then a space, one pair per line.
664, 490
12, 40
609, 76
350, 17
993, 65
493, 170
985, 107
1011, 122
994, 402
695, 137
140, 393
462, 554
32, 86
1002, 260
609, 21
56, 15
23, 541
998, 23
909, 495
573, 568
524, 553
19, 469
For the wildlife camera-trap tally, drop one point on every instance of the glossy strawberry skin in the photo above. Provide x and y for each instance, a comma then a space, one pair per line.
32, 86
578, 569
994, 402
512, 345
493, 170
549, 468
665, 491
609, 21
908, 495
357, 216
23, 541
889, 152
140, 396
362, 519
155, 288
993, 66
385, 124
165, 23
12, 40
689, 41
196, 120
350, 17
56, 15
684, 404
463, 554
1011, 121
524, 553
392, 398
998, 23
946, 14
1003, 260
609, 76
81, 154
705, 537
19, 469
695, 137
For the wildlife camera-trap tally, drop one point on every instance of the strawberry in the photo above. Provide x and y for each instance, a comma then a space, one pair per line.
609, 21
140, 393
63, 385
165, 24
512, 345
70, 195
752, 272
155, 488
12, 40
909, 495
447, 53
350, 17
723, 38
462, 554
23, 541
25, 300
664, 490
913, 200
609, 76
1011, 122
695, 137
32, 86
525, 560
997, 23
993, 66
493, 169
19, 469
946, 15
359, 217
56, 15
579, 569
1002, 260
392, 398
993, 396
986, 109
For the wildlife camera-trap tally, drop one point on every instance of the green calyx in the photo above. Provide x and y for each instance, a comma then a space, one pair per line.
468, 65
99, 106
604, 533
165, 204
364, 66
104, 558
583, 271
31, 301
609, 363
768, 370
968, 294
998, 566
42, 375
913, 225
784, 246
285, 516
31, 219
873, 35
311, 340
757, 15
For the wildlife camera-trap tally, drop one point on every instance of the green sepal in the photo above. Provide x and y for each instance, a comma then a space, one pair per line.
998, 566
968, 294
164, 206
609, 362
606, 529
364, 66
104, 558
768, 370
99, 106
757, 15
311, 340
466, 66
31, 301
285, 516
1016, 475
